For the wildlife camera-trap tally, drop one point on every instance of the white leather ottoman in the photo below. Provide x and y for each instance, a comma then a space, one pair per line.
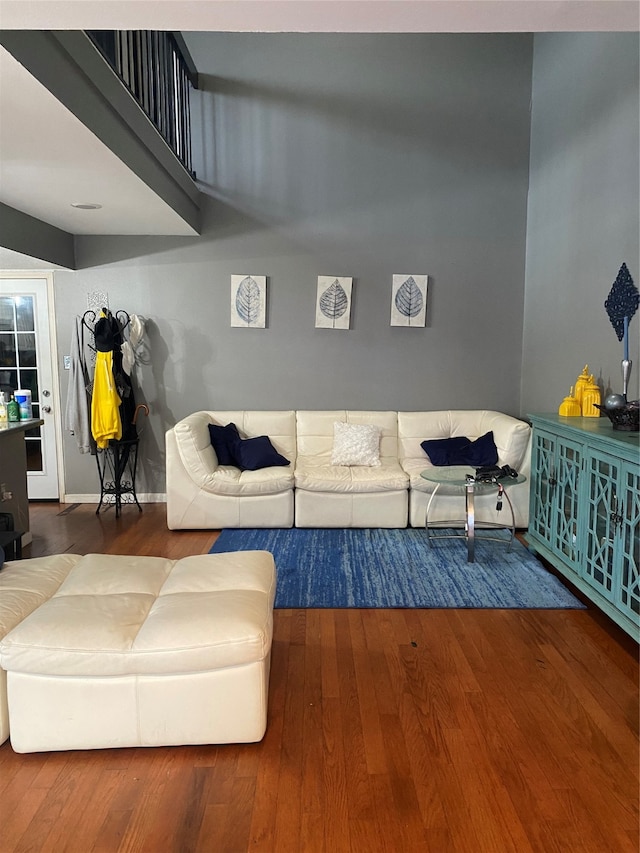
25, 585
144, 651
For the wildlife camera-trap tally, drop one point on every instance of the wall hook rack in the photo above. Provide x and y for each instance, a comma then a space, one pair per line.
118, 461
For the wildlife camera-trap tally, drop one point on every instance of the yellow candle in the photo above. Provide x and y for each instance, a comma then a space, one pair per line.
570, 407
581, 383
590, 396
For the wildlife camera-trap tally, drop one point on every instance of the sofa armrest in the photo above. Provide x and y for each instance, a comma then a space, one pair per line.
512, 438
193, 444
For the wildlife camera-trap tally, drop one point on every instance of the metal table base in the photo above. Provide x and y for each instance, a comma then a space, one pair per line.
470, 520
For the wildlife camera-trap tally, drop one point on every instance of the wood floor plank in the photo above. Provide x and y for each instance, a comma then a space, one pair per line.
340, 798
311, 786
365, 680
111, 833
312, 837
269, 753
346, 710
96, 809
19, 827
389, 731
385, 692
238, 818
408, 819
213, 829
289, 803
386, 815
330, 679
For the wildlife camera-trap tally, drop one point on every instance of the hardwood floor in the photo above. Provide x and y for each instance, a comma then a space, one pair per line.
389, 730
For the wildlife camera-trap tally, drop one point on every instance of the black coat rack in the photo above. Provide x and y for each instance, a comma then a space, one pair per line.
90, 317
118, 461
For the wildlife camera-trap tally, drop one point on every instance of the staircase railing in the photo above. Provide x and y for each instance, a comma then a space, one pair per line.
158, 71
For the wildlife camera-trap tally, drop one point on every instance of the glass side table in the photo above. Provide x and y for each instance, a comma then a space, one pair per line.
463, 478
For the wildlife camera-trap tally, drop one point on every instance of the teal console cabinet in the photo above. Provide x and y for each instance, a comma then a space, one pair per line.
585, 510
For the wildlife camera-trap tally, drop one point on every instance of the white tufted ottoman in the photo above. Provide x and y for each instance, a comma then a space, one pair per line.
143, 651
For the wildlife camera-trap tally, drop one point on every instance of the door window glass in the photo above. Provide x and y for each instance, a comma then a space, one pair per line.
18, 363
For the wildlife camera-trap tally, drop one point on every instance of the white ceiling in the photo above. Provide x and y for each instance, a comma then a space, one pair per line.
323, 15
49, 159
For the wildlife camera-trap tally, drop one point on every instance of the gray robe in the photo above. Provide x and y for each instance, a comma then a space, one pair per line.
77, 410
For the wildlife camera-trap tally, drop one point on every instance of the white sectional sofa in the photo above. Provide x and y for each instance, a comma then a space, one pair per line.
312, 492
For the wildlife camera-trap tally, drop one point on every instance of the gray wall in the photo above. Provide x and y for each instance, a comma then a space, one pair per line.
356, 155
33, 237
583, 211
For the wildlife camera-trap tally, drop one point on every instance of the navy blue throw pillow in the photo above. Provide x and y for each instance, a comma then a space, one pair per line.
223, 438
251, 454
482, 451
462, 451
440, 450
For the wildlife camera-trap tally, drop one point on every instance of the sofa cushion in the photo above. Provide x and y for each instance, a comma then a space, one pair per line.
229, 480
356, 444
315, 430
252, 454
313, 475
223, 438
25, 584
118, 615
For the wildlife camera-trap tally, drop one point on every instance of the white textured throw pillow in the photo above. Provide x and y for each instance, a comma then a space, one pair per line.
356, 444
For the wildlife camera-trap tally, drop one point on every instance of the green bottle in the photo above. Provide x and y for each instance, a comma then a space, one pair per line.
13, 410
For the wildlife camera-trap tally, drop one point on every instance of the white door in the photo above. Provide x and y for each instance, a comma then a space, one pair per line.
27, 361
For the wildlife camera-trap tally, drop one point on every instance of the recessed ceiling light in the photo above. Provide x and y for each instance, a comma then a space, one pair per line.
85, 205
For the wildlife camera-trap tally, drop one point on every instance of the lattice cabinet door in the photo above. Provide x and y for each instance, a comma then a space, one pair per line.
557, 463
543, 483
604, 506
565, 532
629, 539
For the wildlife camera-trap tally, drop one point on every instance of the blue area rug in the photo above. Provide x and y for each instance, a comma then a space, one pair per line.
398, 568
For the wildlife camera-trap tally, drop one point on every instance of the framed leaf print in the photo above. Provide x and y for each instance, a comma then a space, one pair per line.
409, 300
333, 302
249, 301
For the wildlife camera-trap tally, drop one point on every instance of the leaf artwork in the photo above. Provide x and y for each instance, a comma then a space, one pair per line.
409, 299
334, 301
622, 301
248, 301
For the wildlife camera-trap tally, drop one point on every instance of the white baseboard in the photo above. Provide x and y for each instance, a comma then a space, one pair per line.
144, 498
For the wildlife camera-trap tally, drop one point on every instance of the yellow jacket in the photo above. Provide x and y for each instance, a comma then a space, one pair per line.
105, 402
